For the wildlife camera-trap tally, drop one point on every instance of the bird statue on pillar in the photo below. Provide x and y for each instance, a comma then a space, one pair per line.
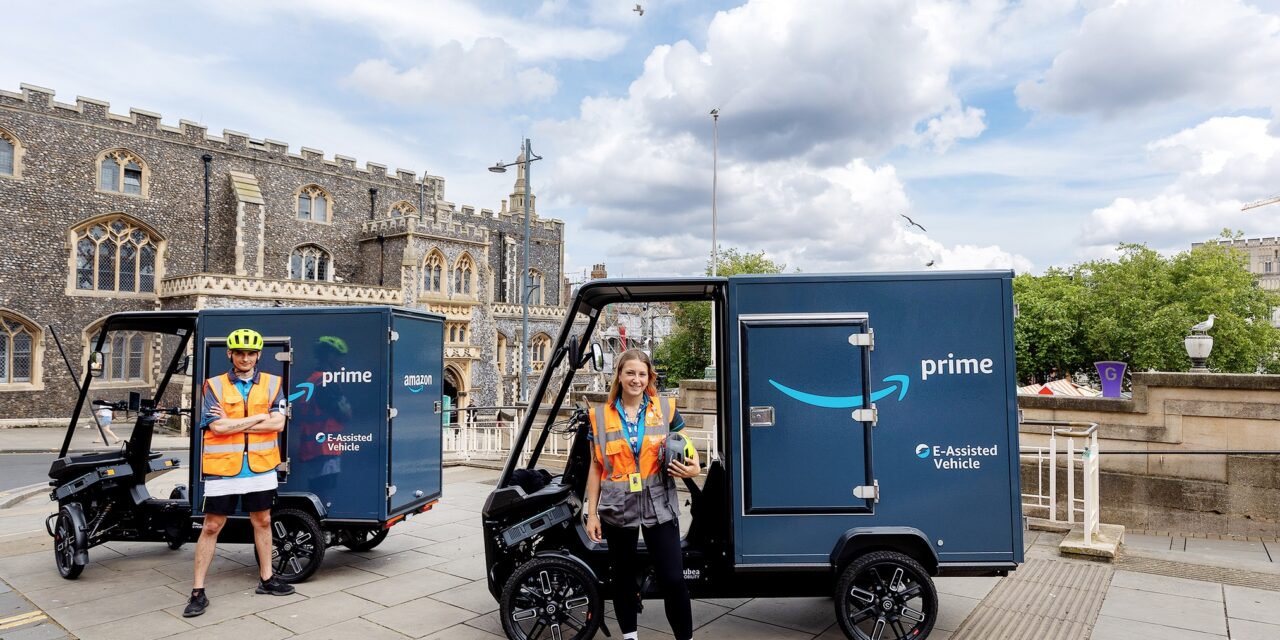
1203, 326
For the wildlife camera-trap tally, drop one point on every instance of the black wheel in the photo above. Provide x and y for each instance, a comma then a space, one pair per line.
65, 547
551, 599
885, 595
297, 544
365, 539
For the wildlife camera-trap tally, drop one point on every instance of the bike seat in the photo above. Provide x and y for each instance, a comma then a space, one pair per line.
75, 465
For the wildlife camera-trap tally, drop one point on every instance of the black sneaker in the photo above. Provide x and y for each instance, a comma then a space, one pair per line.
196, 605
274, 586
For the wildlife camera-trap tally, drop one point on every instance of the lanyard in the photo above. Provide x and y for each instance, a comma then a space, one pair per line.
635, 431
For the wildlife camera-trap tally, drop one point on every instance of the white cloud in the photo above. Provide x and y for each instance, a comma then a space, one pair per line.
1220, 164
485, 75
1131, 54
953, 124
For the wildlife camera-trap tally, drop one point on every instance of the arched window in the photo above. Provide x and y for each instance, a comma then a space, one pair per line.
538, 349
10, 155
126, 357
464, 272
314, 203
310, 262
433, 273
403, 208
20, 347
122, 171
537, 293
115, 254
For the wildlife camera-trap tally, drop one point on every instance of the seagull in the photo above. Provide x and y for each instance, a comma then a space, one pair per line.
929, 263
1203, 326
639, 9
913, 222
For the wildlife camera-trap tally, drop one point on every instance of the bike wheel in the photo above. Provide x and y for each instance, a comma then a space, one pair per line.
551, 598
365, 540
885, 595
297, 545
65, 546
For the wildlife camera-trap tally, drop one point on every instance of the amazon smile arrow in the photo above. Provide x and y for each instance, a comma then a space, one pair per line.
898, 382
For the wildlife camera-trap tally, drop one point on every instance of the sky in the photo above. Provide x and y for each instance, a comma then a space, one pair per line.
1015, 134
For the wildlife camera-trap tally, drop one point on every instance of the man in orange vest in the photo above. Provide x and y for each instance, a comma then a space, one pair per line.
242, 420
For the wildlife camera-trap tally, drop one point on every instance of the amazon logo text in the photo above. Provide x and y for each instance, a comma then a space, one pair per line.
953, 366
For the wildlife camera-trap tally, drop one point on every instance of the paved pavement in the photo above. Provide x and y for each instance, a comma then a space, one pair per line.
427, 581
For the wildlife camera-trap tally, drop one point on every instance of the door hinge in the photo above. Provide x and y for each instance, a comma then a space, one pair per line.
868, 491
392, 412
392, 335
391, 490
868, 416
867, 339
284, 356
437, 406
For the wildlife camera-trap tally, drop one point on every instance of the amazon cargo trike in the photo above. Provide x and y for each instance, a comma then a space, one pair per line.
361, 389
864, 442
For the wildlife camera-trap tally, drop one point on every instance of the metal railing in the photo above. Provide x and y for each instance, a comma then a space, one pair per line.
1046, 459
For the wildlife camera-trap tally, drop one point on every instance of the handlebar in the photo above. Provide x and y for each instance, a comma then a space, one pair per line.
124, 406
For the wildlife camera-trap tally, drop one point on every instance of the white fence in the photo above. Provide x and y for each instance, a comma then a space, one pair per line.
1079, 442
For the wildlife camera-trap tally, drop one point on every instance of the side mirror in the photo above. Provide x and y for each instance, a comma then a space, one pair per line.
96, 361
597, 356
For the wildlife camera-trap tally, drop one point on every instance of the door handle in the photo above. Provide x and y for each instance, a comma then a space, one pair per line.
760, 417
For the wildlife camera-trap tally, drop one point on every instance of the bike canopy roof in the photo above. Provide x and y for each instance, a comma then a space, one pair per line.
598, 293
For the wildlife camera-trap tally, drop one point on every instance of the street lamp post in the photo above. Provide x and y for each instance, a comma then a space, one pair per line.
715, 250
499, 167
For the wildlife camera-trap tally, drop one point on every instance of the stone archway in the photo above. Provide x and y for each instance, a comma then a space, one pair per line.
455, 388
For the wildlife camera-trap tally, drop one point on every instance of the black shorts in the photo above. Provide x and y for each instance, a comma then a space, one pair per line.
250, 502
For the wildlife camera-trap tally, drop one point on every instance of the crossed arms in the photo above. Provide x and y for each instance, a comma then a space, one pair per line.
263, 423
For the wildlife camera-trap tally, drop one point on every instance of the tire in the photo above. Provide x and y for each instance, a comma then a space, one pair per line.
297, 545
364, 540
885, 595
65, 547
547, 596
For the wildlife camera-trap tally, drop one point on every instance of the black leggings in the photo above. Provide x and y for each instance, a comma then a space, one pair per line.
663, 542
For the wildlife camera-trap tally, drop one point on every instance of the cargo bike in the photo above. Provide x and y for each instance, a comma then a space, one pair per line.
362, 391
869, 430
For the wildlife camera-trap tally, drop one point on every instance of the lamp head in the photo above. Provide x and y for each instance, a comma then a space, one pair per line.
498, 167
715, 112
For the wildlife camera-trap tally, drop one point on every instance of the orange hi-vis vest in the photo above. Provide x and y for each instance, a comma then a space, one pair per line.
634, 494
223, 454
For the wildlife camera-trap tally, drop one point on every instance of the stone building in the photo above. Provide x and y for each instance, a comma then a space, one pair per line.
1264, 260
113, 213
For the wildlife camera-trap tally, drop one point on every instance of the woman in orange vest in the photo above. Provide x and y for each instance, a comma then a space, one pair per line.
628, 495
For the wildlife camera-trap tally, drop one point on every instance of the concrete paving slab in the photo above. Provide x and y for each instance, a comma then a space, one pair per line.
473, 596
1163, 609
78, 615
1250, 630
655, 616
27, 563
185, 569
330, 579
647, 633
1253, 604
243, 627
220, 584
1202, 549
50, 578
472, 568
730, 603
1164, 584
358, 629
489, 623
147, 626
395, 543
4, 587
456, 548
234, 605
92, 587
1111, 628
397, 563
1144, 541
451, 531
968, 587
157, 556
44, 630
810, 615
407, 586
319, 612
952, 610
731, 626
420, 617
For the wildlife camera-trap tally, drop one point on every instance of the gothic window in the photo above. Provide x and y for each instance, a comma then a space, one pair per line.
464, 272
403, 208
122, 171
537, 294
19, 342
314, 203
310, 262
10, 155
538, 350
125, 356
115, 254
433, 273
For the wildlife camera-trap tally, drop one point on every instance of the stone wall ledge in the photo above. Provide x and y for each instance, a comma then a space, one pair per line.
208, 284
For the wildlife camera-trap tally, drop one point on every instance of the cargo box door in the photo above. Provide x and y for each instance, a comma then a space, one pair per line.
806, 425
417, 358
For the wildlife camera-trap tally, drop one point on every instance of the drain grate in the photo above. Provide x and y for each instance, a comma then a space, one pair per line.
1043, 599
1234, 577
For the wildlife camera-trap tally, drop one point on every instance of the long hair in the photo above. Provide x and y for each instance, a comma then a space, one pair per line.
615, 388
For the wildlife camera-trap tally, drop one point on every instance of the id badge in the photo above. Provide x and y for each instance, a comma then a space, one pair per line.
635, 482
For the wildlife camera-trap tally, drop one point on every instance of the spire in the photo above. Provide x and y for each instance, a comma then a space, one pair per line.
517, 191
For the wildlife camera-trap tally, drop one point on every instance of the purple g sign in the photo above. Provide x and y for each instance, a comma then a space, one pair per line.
1112, 374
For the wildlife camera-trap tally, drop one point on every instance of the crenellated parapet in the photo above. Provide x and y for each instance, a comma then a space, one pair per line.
410, 225
209, 284
540, 312
94, 112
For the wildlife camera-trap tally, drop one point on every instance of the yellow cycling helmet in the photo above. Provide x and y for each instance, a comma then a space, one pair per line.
245, 340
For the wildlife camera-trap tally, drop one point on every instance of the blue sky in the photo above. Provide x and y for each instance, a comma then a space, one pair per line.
1019, 134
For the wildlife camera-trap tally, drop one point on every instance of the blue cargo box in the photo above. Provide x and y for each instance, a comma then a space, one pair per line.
364, 390
940, 460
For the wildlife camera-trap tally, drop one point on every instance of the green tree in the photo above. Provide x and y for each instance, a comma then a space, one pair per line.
686, 353
1138, 307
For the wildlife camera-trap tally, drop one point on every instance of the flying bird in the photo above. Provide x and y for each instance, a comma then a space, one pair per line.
913, 222
929, 263
1203, 326
639, 9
